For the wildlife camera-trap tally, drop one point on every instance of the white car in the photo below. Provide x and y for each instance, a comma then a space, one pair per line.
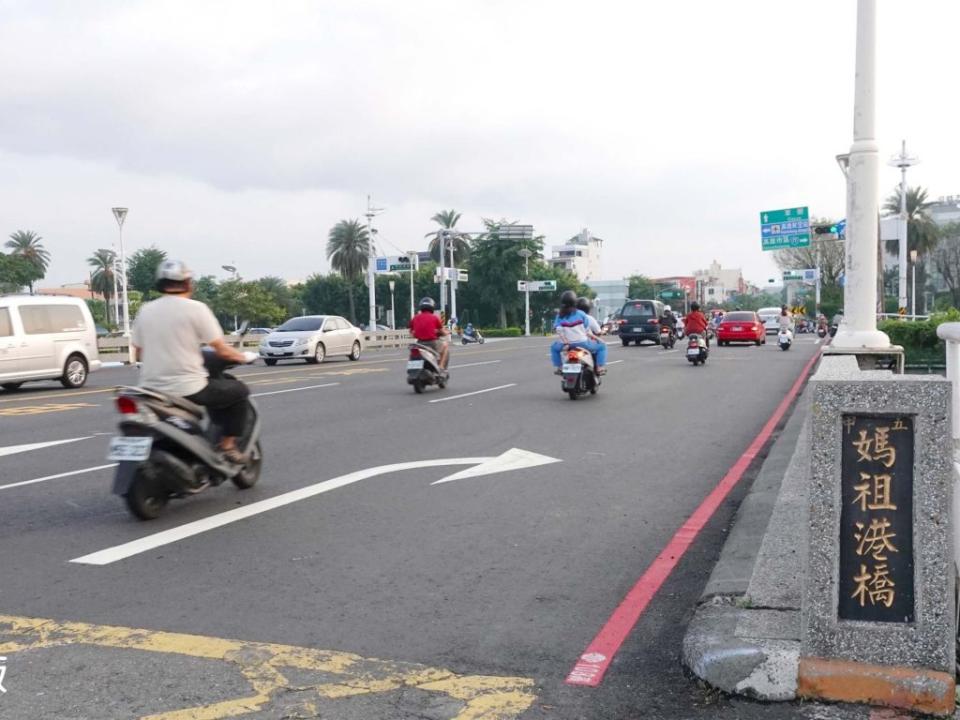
46, 337
770, 317
312, 338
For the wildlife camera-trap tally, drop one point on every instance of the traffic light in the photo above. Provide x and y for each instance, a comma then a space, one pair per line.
825, 229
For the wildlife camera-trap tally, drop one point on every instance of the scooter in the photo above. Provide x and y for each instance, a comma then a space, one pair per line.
784, 339
168, 447
579, 373
667, 338
822, 331
697, 350
475, 338
423, 369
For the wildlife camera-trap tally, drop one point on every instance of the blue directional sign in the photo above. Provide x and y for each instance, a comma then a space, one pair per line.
785, 228
381, 264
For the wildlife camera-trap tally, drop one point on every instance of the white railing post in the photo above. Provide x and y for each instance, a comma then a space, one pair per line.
950, 333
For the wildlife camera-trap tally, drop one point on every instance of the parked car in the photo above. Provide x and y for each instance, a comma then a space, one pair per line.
312, 338
770, 317
741, 326
46, 338
259, 331
640, 320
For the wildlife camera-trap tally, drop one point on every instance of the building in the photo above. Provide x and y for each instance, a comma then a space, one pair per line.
717, 284
945, 210
611, 295
83, 293
580, 255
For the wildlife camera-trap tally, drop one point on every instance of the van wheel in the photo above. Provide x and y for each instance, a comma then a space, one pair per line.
269, 362
10, 387
625, 341
74, 372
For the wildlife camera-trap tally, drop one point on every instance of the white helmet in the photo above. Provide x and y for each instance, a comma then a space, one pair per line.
173, 270
667, 308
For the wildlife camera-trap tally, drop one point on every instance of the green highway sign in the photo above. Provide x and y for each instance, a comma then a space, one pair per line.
792, 275
672, 295
787, 228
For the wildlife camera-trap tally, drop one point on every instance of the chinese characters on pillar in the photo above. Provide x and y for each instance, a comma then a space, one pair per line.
876, 519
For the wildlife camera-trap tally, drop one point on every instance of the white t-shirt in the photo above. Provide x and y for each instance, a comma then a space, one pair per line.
170, 331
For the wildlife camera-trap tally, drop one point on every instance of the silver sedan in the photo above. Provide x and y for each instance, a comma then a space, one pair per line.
312, 338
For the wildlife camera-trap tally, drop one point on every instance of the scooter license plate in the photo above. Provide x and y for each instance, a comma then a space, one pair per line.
415, 365
572, 368
129, 449
693, 352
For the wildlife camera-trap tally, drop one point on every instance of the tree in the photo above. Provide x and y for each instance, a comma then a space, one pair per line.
205, 290
247, 301
348, 250
280, 294
496, 266
101, 277
922, 232
142, 268
946, 260
447, 220
15, 272
26, 244
831, 256
326, 295
640, 286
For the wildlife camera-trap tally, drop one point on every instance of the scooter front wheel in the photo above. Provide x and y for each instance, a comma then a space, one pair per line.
146, 497
247, 478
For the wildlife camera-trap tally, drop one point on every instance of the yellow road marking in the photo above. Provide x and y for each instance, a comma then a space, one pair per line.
41, 409
483, 697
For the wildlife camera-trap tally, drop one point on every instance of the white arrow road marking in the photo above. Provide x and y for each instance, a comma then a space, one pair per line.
57, 476
513, 459
14, 449
165, 537
475, 392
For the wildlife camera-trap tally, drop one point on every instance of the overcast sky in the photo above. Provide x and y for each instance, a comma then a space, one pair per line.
242, 131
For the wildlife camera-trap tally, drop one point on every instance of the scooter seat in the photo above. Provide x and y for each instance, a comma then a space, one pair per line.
184, 404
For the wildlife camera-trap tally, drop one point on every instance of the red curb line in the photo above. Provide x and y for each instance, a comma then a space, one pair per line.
593, 663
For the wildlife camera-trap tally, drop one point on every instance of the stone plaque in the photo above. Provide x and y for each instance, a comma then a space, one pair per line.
876, 519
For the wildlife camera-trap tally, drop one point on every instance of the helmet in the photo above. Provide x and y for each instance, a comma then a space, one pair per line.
666, 308
174, 271
584, 304
427, 303
568, 299
694, 306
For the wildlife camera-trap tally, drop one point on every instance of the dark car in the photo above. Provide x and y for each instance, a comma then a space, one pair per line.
640, 320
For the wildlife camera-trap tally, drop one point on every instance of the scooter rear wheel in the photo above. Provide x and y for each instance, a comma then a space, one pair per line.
248, 477
417, 386
146, 497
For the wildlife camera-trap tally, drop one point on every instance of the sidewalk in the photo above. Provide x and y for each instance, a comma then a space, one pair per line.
744, 637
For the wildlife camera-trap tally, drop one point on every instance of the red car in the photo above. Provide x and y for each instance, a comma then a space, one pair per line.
741, 326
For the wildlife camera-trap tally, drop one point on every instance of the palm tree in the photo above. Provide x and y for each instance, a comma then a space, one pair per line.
447, 220
922, 231
101, 278
348, 250
26, 244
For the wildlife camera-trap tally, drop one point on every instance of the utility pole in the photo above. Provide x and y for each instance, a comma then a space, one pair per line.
913, 285
903, 161
442, 271
412, 254
525, 254
859, 328
453, 282
120, 214
371, 213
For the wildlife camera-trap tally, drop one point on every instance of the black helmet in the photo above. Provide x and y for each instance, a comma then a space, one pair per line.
694, 307
568, 299
584, 304
427, 303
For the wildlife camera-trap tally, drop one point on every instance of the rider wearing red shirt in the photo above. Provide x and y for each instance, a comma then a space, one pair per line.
427, 328
695, 323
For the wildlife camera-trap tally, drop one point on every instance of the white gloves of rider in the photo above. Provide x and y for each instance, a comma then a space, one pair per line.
250, 357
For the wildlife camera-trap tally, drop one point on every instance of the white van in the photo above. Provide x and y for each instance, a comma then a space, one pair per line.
770, 317
46, 337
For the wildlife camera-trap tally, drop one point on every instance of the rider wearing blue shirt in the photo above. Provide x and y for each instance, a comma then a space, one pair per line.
572, 327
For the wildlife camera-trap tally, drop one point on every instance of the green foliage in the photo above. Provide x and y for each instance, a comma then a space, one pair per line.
919, 338
448, 219
98, 309
101, 277
348, 250
641, 288
205, 290
326, 294
502, 332
15, 272
247, 301
142, 269
26, 244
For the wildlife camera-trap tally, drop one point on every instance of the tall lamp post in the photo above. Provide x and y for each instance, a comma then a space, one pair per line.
525, 254
903, 161
913, 285
393, 306
371, 213
120, 213
859, 329
236, 276
414, 262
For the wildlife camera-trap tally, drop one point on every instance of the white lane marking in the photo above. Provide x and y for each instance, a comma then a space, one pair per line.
289, 390
614, 362
512, 459
57, 476
485, 362
165, 537
14, 449
475, 392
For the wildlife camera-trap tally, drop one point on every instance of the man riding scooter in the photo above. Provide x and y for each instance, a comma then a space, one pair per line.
695, 323
428, 329
166, 338
573, 329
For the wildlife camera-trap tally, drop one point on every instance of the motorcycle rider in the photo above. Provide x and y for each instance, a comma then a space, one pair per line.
585, 306
669, 319
572, 327
468, 330
166, 339
428, 329
695, 323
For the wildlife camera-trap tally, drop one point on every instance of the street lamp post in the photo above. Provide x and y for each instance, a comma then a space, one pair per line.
236, 276
903, 161
913, 285
116, 294
453, 282
859, 328
413, 255
393, 306
371, 213
525, 254
120, 213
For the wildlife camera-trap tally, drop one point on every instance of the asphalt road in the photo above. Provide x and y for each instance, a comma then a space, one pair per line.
389, 597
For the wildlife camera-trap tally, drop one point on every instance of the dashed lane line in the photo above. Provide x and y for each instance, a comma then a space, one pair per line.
475, 392
42, 409
321, 676
296, 389
57, 476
